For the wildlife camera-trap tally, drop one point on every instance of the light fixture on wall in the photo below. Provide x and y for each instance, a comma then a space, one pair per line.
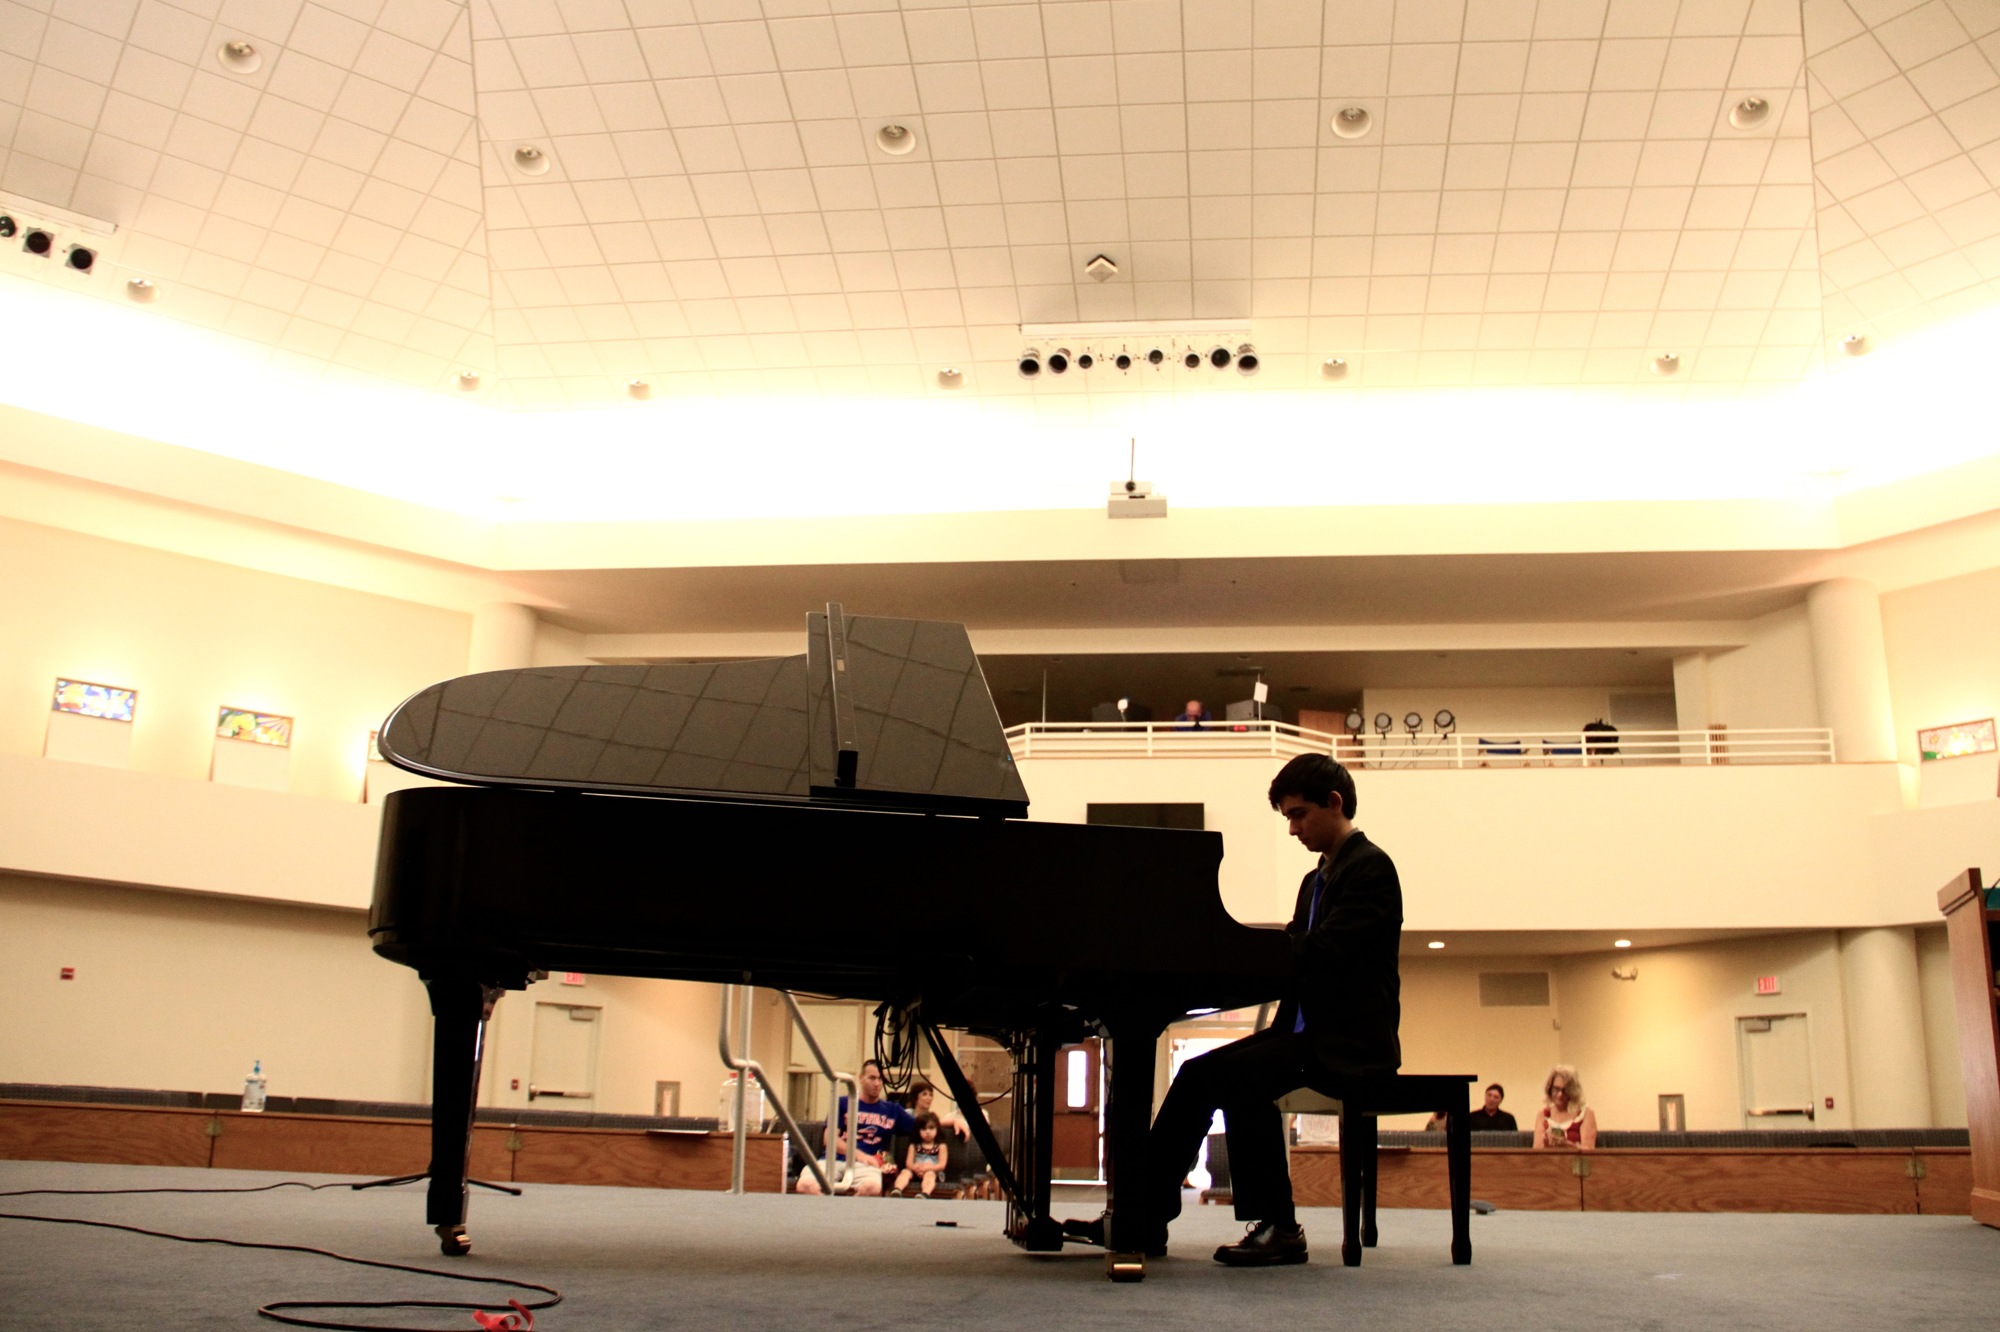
1435, 943
1445, 721
1625, 973
1621, 943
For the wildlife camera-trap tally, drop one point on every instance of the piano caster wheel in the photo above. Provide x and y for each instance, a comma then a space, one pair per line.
453, 1241
1123, 1267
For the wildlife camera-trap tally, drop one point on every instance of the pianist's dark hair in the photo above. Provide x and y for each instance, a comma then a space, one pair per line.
1314, 777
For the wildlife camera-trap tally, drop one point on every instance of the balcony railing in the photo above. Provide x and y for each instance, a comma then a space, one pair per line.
1716, 747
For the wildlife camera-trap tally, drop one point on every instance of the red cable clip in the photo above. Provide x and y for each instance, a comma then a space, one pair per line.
518, 1321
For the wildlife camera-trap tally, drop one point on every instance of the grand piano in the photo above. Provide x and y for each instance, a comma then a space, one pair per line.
720, 822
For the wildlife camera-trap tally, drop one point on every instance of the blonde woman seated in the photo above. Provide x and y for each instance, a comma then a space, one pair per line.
1564, 1120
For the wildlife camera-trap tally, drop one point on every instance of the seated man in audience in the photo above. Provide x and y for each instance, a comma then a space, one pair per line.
876, 1120
1193, 713
1490, 1118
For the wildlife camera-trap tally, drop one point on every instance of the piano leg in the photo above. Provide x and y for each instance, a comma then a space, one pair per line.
1133, 1224
460, 1010
1028, 1221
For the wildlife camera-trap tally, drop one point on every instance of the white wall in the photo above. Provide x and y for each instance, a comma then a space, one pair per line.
1768, 682
1673, 1030
180, 991
193, 635
1943, 643
1446, 1031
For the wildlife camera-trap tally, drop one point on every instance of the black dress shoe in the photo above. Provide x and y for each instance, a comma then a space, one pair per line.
1267, 1245
1092, 1232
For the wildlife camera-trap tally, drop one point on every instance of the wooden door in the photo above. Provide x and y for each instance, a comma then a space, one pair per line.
1076, 1150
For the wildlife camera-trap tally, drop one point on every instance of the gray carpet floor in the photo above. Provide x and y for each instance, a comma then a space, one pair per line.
643, 1259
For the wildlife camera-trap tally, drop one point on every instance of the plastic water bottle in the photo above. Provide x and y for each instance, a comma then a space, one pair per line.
253, 1087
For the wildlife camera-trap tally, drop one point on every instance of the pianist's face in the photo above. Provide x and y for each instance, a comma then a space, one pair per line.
1319, 828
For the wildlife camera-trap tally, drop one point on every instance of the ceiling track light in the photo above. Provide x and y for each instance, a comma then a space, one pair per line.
1351, 122
1856, 344
142, 291
1030, 364
1667, 363
1247, 360
531, 161
638, 390
951, 378
467, 381
1333, 367
1058, 361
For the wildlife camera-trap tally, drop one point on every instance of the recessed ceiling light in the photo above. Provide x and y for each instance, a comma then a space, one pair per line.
240, 57
531, 161
467, 381
1666, 363
639, 389
1333, 367
141, 290
1856, 344
1102, 268
1435, 943
1621, 943
951, 378
896, 140
1351, 122
1749, 113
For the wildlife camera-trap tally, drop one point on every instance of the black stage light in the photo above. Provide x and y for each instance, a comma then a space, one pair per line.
38, 242
1220, 358
1059, 360
1031, 363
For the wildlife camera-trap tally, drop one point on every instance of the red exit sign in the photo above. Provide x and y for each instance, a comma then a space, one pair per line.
1767, 985
576, 978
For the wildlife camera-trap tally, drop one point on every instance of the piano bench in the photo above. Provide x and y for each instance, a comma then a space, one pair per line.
1360, 1101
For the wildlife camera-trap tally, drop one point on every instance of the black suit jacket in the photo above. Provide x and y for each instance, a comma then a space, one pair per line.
1345, 965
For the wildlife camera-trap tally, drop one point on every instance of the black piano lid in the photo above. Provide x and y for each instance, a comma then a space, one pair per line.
920, 725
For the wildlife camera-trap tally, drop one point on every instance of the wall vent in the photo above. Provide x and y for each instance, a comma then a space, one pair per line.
1513, 989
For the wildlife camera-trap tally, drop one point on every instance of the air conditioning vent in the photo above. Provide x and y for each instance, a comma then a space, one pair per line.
1513, 989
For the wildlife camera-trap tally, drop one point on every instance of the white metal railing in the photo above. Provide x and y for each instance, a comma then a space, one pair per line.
1538, 749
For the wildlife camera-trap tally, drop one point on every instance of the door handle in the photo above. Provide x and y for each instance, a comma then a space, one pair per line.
1805, 1110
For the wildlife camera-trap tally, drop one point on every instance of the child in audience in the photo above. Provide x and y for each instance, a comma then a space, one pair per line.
924, 1159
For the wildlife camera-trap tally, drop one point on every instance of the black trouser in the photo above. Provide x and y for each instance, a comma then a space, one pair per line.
1243, 1079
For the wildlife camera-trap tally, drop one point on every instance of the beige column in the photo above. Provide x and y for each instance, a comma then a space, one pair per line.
1851, 670
1886, 1062
503, 637
1692, 711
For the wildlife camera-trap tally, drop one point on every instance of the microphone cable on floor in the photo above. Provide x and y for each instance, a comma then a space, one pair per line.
514, 1317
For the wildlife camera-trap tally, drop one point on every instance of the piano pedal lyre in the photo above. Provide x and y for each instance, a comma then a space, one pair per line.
1122, 1267
453, 1242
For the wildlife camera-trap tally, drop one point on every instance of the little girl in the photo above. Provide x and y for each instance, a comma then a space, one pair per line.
925, 1157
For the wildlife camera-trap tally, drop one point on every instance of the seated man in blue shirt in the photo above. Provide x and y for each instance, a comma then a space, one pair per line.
1195, 713
876, 1120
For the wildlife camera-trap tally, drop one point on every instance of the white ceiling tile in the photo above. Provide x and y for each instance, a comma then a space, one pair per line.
1951, 79
1008, 32
1149, 78
1287, 72
1852, 66
1555, 19
1548, 166
1494, 67
325, 35
1417, 71
788, 193
1618, 115
819, 94
957, 88
886, 90
1975, 121
65, 96
675, 52
745, 48
1219, 76
157, 27
1548, 117
1354, 71
1431, 119
1470, 211
946, 34
1884, 207
1887, 106
1922, 34
1413, 167
1476, 166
